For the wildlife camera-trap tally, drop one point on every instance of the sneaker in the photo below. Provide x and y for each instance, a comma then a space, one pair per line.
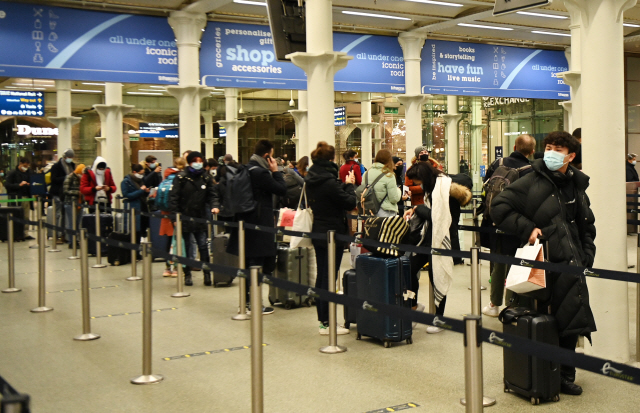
166, 273
324, 330
491, 310
265, 310
174, 274
433, 330
420, 308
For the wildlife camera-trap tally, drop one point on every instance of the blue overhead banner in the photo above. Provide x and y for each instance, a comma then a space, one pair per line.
473, 69
241, 55
61, 43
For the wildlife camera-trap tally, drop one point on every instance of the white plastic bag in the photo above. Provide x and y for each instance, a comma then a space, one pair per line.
303, 222
526, 279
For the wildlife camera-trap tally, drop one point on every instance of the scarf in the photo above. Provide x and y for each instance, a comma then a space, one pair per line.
136, 181
101, 196
260, 161
196, 172
327, 166
441, 222
65, 166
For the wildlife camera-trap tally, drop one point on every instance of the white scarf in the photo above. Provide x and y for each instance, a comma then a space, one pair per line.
441, 220
101, 195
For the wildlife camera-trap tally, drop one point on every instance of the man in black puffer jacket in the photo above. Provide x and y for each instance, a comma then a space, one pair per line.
552, 202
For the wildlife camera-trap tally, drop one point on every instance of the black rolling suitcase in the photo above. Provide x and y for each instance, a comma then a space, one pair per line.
350, 288
18, 228
531, 377
220, 256
119, 256
106, 228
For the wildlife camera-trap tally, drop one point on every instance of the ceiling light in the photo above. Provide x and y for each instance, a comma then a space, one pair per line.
145, 93
551, 16
551, 33
480, 26
382, 16
439, 3
151, 90
93, 84
252, 3
86, 90
23, 84
630, 25
156, 87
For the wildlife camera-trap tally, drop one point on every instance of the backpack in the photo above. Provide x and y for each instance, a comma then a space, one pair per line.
366, 200
162, 194
502, 177
294, 190
238, 197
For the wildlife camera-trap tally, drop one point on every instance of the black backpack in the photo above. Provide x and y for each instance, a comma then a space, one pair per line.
238, 197
502, 177
294, 190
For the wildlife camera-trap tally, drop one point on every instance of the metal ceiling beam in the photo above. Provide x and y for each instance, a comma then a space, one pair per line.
467, 16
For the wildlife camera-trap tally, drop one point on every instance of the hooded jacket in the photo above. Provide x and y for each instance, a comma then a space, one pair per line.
385, 188
88, 182
192, 196
632, 174
535, 201
58, 175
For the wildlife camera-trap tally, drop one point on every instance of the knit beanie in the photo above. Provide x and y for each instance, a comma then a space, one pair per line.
192, 156
79, 169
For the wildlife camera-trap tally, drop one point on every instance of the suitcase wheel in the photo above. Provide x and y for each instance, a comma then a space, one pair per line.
387, 344
535, 400
410, 340
288, 305
116, 263
359, 337
556, 398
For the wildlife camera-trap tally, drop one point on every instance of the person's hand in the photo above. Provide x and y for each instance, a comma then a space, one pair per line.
399, 163
534, 235
98, 188
143, 187
158, 169
408, 193
405, 197
107, 188
23, 183
273, 164
350, 179
215, 211
408, 214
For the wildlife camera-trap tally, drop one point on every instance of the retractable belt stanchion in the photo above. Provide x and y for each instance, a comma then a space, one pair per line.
38, 211
638, 305
473, 344
147, 377
134, 253
41, 271
11, 253
242, 310
474, 234
84, 278
98, 263
74, 236
54, 212
333, 346
180, 280
257, 384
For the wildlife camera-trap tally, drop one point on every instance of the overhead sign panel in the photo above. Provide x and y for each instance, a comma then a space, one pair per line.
510, 6
61, 43
473, 69
21, 103
241, 55
340, 116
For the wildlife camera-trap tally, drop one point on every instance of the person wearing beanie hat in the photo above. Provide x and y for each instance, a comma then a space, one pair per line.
192, 196
71, 193
59, 171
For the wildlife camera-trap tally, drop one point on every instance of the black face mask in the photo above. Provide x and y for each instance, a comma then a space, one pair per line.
424, 157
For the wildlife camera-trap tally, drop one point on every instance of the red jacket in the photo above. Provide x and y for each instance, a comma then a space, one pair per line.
347, 167
88, 185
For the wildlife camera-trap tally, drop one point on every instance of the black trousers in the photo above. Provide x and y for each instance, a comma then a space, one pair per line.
569, 343
417, 262
268, 265
322, 279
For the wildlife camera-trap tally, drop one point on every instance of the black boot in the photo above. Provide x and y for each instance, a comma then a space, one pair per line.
187, 280
567, 386
207, 278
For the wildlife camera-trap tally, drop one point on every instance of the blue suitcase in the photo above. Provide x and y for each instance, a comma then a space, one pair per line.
383, 280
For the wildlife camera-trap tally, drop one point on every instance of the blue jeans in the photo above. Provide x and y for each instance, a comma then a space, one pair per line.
201, 243
68, 212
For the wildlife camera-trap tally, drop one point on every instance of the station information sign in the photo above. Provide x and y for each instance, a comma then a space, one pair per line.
340, 116
21, 103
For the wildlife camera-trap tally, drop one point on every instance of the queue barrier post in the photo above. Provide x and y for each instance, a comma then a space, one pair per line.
333, 347
42, 307
54, 212
84, 280
638, 304
38, 212
242, 283
257, 377
475, 239
147, 345
74, 236
180, 293
11, 253
134, 253
98, 263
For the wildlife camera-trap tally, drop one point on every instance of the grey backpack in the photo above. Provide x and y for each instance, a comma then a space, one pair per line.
501, 178
366, 200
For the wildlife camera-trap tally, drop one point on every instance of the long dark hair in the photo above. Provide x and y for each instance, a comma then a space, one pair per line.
426, 173
302, 165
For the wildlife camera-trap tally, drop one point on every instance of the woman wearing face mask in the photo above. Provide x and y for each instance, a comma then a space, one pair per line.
552, 202
422, 155
135, 194
387, 192
632, 174
97, 183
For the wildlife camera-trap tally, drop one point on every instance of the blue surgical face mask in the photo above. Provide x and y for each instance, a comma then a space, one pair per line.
153, 165
68, 160
196, 165
554, 160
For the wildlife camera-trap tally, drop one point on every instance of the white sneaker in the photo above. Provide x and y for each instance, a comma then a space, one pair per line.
420, 308
491, 310
433, 330
324, 330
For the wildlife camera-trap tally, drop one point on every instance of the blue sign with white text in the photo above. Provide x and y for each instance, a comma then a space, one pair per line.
473, 69
241, 55
61, 43
21, 103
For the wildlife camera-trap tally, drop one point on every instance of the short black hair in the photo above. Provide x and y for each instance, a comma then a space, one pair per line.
24, 160
263, 146
348, 154
136, 167
212, 163
150, 159
577, 133
563, 139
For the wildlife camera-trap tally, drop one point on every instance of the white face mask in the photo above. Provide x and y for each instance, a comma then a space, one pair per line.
100, 172
139, 176
24, 168
633, 162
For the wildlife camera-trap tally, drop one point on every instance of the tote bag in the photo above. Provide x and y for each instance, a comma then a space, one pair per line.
302, 222
525, 279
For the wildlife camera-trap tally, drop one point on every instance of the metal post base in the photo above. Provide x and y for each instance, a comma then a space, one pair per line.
41, 309
486, 401
73, 257
11, 290
34, 247
98, 265
55, 250
482, 288
87, 337
180, 294
241, 317
333, 349
148, 379
134, 278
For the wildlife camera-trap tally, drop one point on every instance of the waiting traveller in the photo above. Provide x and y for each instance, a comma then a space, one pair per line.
97, 183
431, 224
166, 226
329, 200
228, 158
524, 147
577, 161
135, 193
303, 166
73, 198
632, 174
399, 174
152, 172
387, 192
192, 196
19, 187
213, 166
59, 171
417, 194
351, 164
552, 202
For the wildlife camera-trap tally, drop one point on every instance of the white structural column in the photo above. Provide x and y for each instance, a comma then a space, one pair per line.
302, 126
377, 141
209, 141
111, 115
188, 27
602, 88
320, 63
64, 121
366, 127
231, 122
573, 76
452, 118
412, 99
